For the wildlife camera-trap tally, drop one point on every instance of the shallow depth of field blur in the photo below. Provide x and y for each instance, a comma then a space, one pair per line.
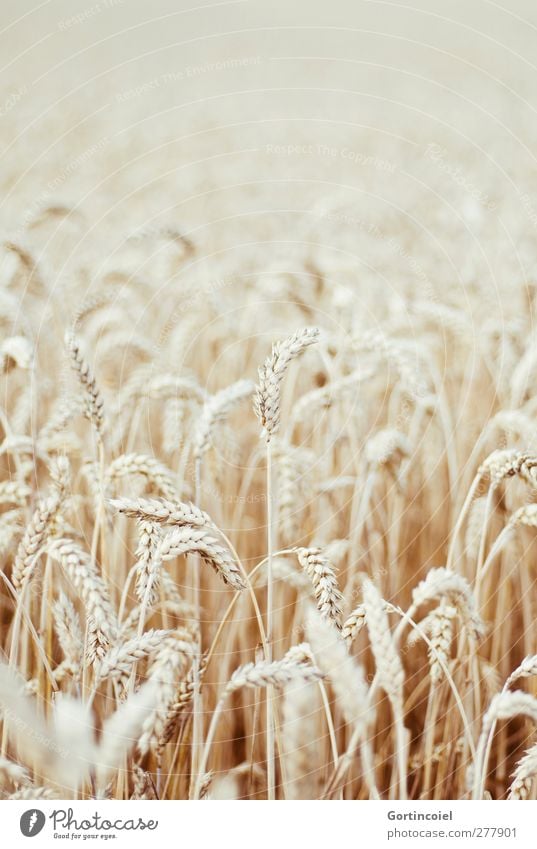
353, 614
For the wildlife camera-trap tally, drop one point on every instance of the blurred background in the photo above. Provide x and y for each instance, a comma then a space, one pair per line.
247, 123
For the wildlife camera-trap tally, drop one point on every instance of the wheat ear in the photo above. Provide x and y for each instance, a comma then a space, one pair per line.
33, 540
271, 375
161, 512
94, 405
504, 705
322, 575
215, 410
524, 774
82, 572
295, 665
267, 410
188, 539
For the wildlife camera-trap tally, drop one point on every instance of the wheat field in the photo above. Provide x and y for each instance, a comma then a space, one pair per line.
268, 467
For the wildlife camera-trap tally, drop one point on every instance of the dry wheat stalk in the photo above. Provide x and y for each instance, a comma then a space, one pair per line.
355, 621
36, 740
505, 705
316, 400
442, 582
267, 409
174, 424
161, 512
163, 386
166, 669
67, 625
118, 662
183, 698
60, 475
292, 466
389, 667
353, 624
346, 676
143, 787
525, 772
147, 578
504, 464
148, 467
188, 539
122, 729
94, 404
63, 411
295, 665
216, 409
205, 785
441, 636
271, 375
322, 575
474, 527
390, 672
33, 540
97, 642
11, 527
297, 737
526, 669
283, 571
83, 574
383, 400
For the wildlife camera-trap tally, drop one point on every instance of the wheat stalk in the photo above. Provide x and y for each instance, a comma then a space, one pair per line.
33, 540
525, 772
267, 410
94, 404
161, 512
504, 706
168, 666
86, 580
323, 578
190, 539
296, 665
390, 671
271, 375
215, 410
118, 662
